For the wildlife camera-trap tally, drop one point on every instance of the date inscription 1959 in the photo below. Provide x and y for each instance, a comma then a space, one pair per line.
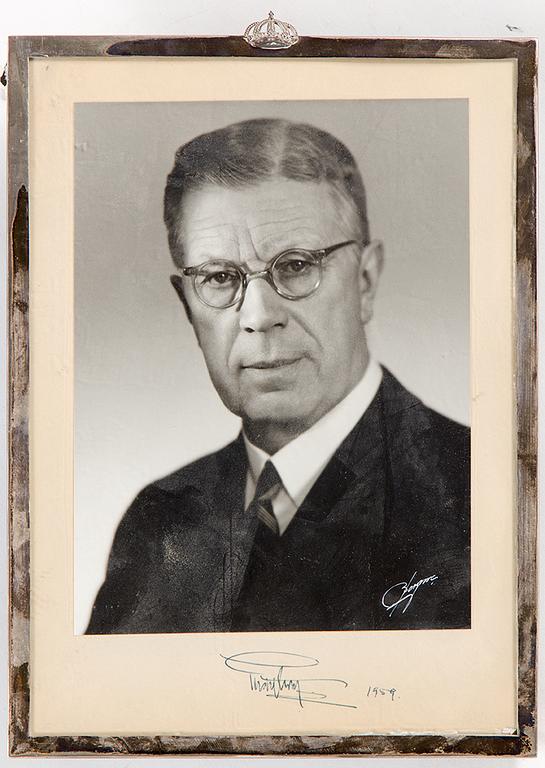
374, 692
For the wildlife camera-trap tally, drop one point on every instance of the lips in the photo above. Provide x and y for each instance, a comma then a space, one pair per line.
264, 365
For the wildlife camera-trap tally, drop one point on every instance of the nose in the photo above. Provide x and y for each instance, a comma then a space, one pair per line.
262, 308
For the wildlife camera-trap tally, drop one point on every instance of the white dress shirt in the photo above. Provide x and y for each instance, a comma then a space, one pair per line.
301, 461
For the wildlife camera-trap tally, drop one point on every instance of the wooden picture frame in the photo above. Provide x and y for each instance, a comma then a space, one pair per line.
23, 528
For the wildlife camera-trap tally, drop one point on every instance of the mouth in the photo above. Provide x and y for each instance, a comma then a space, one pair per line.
265, 365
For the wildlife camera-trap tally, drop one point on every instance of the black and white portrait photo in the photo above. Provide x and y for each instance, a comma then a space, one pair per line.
271, 366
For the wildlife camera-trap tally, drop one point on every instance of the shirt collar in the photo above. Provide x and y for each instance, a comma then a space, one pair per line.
301, 461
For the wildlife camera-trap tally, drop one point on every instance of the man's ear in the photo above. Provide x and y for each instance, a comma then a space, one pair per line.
371, 260
178, 285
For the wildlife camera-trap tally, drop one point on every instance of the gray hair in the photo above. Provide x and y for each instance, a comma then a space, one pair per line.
253, 151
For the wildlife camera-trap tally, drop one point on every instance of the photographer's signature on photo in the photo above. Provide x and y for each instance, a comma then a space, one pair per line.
402, 593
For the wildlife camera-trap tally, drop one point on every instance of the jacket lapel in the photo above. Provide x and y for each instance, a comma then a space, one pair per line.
352, 475
238, 530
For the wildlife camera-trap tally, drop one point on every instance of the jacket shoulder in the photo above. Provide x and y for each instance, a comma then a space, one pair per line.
187, 488
429, 453
201, 472
170, 499
404, 407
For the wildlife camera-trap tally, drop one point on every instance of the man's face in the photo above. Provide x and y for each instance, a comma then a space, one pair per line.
275, 361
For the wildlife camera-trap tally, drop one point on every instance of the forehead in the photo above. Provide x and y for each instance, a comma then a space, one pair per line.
263, 218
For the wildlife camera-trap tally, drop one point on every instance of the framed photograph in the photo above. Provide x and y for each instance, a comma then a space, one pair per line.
272, 395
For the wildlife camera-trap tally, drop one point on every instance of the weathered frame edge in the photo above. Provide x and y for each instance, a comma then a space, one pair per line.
21, 49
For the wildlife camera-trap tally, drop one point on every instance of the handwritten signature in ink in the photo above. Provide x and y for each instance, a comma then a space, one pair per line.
271, 673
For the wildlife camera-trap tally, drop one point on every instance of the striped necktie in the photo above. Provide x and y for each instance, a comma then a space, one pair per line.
268, 485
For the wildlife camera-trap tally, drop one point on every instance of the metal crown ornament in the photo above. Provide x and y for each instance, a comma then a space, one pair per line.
271, 33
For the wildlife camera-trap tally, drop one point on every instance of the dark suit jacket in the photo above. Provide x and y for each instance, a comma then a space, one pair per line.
389, 512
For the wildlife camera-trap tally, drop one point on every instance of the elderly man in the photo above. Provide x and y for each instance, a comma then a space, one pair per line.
344, 502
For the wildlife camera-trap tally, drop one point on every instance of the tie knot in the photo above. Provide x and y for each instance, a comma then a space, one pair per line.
268, 482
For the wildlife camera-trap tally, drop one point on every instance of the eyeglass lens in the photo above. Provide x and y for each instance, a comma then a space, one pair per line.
295, 274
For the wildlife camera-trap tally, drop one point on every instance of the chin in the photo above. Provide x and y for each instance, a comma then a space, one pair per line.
281, 407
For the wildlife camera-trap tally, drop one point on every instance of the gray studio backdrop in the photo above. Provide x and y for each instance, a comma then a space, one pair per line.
143, 401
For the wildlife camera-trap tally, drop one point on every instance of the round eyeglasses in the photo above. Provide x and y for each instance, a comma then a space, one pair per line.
294, 274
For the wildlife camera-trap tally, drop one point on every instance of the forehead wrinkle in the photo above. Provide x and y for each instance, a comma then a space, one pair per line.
201, 225
278, 229
281, 209
200, 230
281, 214
269, 235
298, 237
274, 222
213, 227
210, 246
